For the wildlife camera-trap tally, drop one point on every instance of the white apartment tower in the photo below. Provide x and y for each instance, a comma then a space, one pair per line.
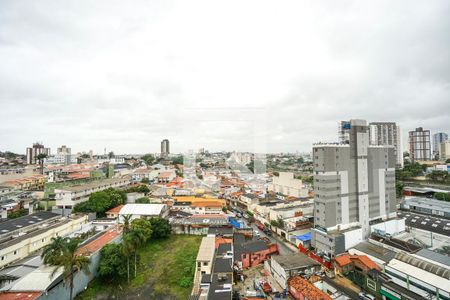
387, 133
419, 144
354, 185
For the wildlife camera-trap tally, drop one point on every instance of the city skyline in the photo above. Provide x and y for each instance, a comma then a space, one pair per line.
125, 77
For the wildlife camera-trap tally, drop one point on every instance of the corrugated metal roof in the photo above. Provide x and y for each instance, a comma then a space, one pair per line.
424, 265
437, 257
38, 280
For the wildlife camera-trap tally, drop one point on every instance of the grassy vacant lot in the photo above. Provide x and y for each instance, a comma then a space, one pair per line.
165, 271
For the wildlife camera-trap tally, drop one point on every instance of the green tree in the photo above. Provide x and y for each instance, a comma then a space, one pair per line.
113, 265
149, 159
438, 175
51, 252
17, 213
177, 160
126, 223
143, 189
442, 196
160, 228
63, 255
143, 200
145, 180
135, 238
127, 251
100, 202
144, 226
447, 161
40, 158
399, 188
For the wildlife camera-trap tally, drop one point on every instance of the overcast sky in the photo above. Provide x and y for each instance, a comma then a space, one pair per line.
223, 75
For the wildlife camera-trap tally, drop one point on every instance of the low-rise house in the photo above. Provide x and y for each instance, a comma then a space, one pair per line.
200, 207
146, 211
166, 176
113, 213
346, 263
283, 267
66, 198
140, 174
34, 182
251, 252
197, 224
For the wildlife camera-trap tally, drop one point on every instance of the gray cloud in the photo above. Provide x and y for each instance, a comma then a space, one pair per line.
219, 75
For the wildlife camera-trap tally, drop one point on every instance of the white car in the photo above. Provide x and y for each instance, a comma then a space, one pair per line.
255, 232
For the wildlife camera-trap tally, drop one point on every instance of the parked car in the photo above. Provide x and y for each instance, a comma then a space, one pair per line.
365, 296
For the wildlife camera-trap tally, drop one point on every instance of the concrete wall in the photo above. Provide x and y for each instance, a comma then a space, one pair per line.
80, 282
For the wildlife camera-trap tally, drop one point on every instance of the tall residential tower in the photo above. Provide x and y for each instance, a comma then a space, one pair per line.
354, 185
438, 138
387, 134
419, 144
33, 152
165, 150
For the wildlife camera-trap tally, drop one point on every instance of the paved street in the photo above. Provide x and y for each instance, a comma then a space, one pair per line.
284, 250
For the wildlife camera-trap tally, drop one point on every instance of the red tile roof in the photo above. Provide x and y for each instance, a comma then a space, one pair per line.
19, 295
346, 259
99, 242
307, 289
368, 262
343, 260
115, 210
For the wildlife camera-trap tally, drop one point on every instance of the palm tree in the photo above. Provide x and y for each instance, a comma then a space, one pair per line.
53, 250
62, 253
136, 238
126, 223
40, 157
127, 249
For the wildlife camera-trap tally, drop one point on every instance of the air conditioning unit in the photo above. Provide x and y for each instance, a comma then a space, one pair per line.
222, 277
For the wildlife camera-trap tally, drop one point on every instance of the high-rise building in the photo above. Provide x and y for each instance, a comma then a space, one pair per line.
387, 134
63, 150
444, 150
354, 185
34, 151
344, 132
419, 144
438, 138
165, 149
